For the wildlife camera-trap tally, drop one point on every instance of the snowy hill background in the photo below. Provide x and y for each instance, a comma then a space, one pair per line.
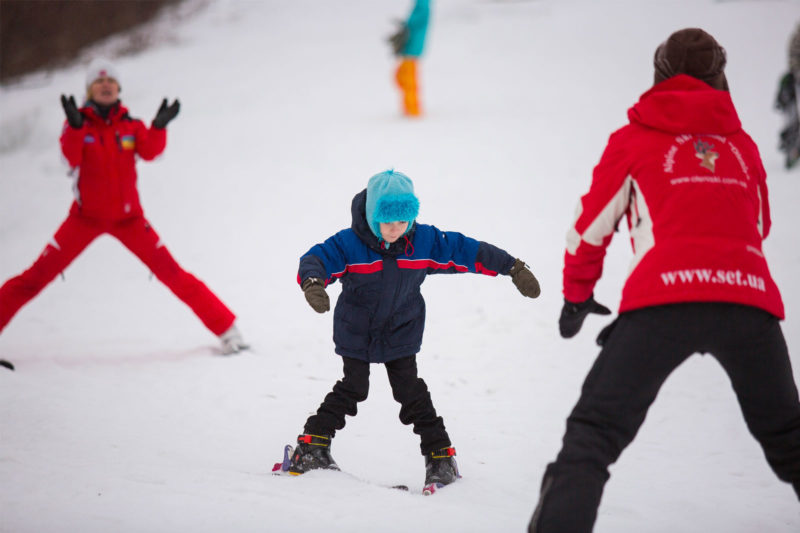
122, 417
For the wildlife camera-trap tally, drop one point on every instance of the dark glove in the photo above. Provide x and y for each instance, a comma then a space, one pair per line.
74, 117
399, 38
166, 113
573, 315
317, 298
524, 279
786, 97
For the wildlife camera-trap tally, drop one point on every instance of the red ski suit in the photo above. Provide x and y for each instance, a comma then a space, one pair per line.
682, 190
104, 151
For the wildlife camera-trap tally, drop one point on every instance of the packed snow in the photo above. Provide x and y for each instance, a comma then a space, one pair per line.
122, 416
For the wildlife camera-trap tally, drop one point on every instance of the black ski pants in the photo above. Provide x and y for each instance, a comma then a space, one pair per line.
416, 406
643, 347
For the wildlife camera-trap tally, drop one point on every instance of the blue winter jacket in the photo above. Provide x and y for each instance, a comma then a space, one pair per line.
380, 314
417, 25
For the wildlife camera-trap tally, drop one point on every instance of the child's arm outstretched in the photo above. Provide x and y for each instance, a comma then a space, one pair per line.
455, 252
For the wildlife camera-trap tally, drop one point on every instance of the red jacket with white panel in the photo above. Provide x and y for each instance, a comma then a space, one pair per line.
690, 184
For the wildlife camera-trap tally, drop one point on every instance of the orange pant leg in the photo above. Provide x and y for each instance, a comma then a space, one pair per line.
406, 78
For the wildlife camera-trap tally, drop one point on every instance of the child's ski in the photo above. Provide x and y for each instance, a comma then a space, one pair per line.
6, 364
431, 488
282, 469
427, 490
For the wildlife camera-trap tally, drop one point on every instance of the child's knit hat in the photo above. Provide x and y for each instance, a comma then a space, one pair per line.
101, 68
390, 198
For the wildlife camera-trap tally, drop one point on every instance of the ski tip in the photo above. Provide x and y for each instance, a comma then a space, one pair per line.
6, 364
427, 490
283, 466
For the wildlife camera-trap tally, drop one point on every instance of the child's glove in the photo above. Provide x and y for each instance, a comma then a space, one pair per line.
524, 279
786, 93
317, 298
399, 38
573, 315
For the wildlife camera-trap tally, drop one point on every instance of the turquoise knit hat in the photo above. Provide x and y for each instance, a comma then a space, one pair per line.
390, 198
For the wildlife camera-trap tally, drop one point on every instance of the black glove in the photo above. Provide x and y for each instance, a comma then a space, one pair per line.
399, 38
524, 279
166, 113
786, 97
317, 298
573, 315
74, 117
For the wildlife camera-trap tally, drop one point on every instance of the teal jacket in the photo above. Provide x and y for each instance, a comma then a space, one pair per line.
417, 24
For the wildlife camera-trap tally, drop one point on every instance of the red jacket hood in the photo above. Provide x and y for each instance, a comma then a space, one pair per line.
683, 104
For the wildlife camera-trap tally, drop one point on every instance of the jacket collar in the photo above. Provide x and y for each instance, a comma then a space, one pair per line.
114, 113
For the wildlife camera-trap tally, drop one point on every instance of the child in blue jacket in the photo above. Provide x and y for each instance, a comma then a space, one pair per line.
382, 260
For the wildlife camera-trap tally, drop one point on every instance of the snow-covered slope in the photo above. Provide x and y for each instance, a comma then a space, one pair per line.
120, 417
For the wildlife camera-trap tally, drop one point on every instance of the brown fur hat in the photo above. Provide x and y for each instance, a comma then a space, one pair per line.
694, 52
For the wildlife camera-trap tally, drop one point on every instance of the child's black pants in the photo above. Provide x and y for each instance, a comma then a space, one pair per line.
416, 406
643, 348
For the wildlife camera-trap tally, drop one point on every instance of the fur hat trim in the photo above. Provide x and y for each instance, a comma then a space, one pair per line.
390, 198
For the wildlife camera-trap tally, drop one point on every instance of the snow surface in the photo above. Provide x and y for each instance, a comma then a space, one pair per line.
121, 415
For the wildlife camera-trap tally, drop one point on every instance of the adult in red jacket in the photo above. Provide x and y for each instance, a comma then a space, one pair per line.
690, 183
101, 142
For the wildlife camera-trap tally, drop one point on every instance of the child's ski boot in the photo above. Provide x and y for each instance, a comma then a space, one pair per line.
440, 469
312, 452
